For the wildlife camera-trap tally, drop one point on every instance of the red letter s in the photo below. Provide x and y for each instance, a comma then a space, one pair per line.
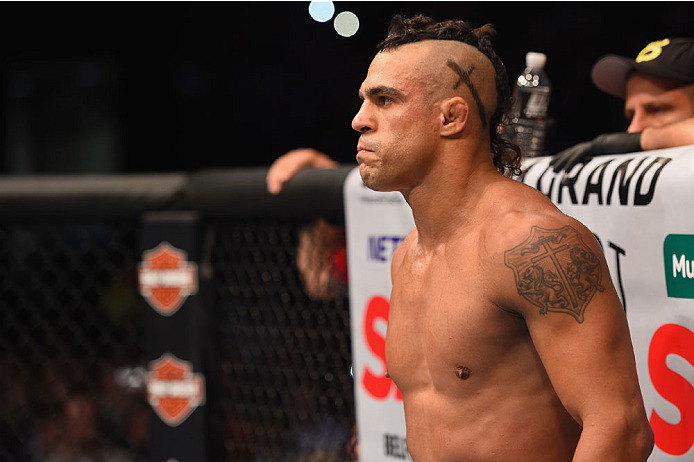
675, 439
377, 386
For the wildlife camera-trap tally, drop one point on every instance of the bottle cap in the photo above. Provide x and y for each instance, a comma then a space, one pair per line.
535, 60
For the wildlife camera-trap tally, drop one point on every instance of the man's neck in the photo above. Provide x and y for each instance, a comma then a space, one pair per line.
446, 201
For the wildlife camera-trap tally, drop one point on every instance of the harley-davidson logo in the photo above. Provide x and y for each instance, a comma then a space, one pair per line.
173, 390
555, 271
166, 278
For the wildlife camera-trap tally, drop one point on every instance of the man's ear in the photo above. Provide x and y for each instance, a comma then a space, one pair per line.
454, 113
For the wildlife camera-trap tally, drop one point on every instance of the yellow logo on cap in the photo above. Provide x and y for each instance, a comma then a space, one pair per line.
652, 50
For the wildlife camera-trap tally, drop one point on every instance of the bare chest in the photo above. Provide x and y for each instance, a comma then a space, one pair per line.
444, 328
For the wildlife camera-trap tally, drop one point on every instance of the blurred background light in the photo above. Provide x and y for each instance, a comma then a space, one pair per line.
321, 11
346, 24
211, 80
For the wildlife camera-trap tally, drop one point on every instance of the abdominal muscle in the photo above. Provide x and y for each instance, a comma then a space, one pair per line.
494, 423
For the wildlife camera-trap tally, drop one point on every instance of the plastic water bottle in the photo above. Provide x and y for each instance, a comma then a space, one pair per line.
529, 114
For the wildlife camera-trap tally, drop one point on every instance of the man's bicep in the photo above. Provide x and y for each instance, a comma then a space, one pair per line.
562, 287
556, 271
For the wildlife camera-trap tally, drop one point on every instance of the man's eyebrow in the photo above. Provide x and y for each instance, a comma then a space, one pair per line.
464, 77
381, 90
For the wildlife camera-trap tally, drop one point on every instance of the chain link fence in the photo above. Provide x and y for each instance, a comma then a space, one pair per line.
73, 366
69, 329
285, 354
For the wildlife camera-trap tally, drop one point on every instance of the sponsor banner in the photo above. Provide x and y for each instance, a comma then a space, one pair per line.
678, 256
173, 390
640, 206
375, 224
166, 278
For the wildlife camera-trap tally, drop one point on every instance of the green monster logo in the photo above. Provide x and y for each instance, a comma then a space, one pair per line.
678, 252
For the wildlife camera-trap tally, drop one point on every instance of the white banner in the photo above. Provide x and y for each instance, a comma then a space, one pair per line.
375, 224
640, 206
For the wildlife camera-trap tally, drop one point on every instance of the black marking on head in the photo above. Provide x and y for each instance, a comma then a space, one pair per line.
464, 77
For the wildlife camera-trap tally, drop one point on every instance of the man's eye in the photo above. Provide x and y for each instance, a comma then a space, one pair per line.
384, 100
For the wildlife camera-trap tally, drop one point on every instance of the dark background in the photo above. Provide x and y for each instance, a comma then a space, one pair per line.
128, 87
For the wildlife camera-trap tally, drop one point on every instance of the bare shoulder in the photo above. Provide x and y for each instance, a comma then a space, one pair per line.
539, 253
527, 209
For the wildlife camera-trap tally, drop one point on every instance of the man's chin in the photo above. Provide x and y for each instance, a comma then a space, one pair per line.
373, 181
374, 185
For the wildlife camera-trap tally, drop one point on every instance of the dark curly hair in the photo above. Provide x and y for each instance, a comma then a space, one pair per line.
505, 155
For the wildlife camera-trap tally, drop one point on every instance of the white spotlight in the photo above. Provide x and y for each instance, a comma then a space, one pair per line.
321, 11
346, 24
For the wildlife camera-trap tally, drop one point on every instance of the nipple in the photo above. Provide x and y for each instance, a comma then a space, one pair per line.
463, 372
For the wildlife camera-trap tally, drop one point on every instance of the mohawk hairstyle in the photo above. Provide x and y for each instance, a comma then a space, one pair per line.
505, 155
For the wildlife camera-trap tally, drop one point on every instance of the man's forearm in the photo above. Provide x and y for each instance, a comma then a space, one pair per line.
668, 136
614, 443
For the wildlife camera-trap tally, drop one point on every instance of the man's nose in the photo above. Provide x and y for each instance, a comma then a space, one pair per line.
361, 122
638, 123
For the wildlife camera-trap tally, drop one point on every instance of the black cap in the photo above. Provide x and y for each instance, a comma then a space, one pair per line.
669, 58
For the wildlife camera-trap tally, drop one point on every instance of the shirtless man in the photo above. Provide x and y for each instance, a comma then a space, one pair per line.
505, 335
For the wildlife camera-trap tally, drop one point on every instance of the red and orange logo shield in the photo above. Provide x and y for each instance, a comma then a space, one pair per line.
173, 390
166, 278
